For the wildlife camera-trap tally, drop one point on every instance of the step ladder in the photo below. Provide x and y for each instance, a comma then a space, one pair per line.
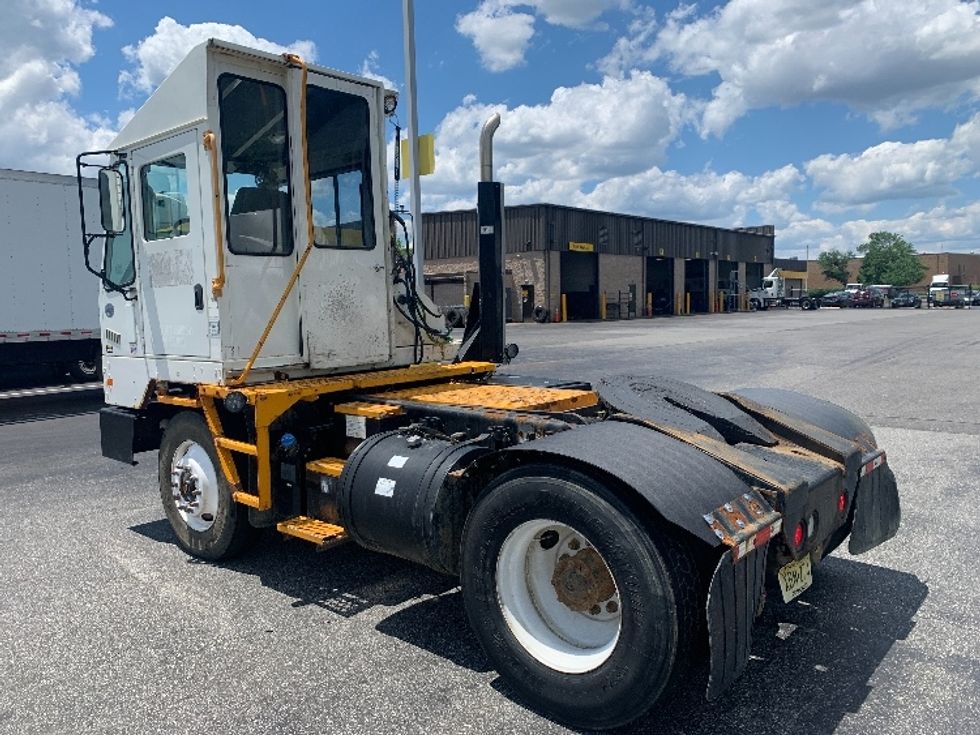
321, 534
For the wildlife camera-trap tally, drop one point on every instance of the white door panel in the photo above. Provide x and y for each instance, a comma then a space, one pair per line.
170, 247
261, 248
345, 294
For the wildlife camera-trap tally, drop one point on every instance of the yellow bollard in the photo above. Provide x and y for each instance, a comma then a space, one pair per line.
687, 303
649, 303
602, 305
564, 307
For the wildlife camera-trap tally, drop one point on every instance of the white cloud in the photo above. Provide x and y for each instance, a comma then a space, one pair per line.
573, 13
886, 59
891, 170
501, 30
154, 57
731, 198
43, 42
582, 134
501, 37
942, 228
369, 69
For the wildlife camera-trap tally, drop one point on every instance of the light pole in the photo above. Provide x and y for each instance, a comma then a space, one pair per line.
418, 251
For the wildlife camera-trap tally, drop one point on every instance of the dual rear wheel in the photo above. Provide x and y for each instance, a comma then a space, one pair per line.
585, 611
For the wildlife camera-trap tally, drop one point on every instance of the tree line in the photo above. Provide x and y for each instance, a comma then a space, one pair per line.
886, 258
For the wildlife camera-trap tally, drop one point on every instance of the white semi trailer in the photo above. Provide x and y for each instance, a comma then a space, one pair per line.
50, 311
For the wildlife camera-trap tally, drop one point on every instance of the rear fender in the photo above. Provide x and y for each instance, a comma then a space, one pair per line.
693, 492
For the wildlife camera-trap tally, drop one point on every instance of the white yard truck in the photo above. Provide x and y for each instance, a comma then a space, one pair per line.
264, 333
776, 292
50, 304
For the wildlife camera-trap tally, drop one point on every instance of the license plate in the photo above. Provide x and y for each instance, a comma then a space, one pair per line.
795, 577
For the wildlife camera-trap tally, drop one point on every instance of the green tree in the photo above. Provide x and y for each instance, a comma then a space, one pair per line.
834, 265
889, 258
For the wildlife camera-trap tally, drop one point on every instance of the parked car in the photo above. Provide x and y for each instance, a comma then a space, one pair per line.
862, 300
907, 298
836, 298
877, 295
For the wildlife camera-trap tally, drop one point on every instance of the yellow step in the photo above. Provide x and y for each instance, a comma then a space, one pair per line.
322, 534
329, 466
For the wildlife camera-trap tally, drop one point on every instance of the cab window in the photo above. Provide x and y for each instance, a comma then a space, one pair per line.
255, 151
339, 142
164, 195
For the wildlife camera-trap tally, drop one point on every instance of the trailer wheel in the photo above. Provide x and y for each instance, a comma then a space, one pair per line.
196, 498
577, 604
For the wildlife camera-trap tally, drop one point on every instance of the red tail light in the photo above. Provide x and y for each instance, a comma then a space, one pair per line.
842, 502
799, 535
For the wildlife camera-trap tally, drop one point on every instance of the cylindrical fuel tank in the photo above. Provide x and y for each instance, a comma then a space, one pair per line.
397, 496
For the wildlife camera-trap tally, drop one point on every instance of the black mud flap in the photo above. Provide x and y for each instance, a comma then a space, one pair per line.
733, 598
877, 512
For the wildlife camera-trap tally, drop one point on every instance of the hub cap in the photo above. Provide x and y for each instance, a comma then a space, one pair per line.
194, 484
558, 597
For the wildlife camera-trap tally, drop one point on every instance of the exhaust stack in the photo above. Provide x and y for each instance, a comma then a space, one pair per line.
490, 220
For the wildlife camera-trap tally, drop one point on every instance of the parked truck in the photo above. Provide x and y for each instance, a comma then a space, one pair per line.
273, 345
776, 292
943, 292
50, 314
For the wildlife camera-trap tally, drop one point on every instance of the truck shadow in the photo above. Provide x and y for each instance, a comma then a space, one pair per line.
812, 660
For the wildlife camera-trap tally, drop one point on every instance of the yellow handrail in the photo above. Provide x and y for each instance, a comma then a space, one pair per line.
211, 146
291, 60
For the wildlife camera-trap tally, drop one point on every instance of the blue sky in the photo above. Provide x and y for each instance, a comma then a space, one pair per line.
829, 120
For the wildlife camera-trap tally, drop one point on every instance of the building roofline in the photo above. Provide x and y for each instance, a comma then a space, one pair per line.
623, 215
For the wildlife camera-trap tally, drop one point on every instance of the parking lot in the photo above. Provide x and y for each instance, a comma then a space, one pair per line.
107, 627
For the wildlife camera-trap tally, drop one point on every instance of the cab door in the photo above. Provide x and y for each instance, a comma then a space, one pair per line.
345, 289
261, 250
170, 247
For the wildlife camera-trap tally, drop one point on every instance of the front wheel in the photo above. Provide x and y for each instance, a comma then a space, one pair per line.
196, 498
574, 600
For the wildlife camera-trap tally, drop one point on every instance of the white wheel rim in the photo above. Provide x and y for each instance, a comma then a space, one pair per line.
537, 559
194, 484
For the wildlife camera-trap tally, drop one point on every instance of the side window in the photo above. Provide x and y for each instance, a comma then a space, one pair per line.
255, 151
119, 263
339, 126
164, 193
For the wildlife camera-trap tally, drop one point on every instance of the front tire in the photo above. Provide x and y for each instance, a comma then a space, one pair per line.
579, 606
208, 523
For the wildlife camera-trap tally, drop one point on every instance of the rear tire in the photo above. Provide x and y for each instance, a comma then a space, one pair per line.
216, 527
592, 643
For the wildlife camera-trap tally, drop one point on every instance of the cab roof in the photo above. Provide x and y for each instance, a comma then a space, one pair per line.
182, 98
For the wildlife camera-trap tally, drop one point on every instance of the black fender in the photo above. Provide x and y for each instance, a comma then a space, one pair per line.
876, 510
680, 483
684, 487
823, 414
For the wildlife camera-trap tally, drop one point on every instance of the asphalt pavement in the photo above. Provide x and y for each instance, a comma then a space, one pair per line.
107, 627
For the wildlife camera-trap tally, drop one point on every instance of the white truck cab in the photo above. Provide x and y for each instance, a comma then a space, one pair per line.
204, 204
